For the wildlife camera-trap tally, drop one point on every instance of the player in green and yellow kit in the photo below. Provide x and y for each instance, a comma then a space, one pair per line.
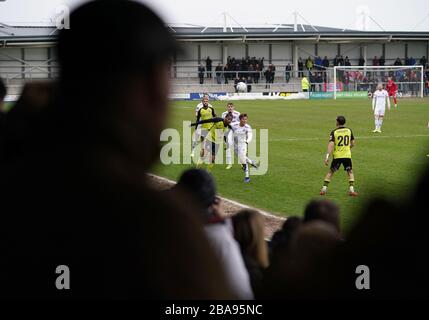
216, 130
341, 141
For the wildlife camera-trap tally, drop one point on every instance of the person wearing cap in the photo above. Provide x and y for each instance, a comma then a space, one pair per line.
218, 229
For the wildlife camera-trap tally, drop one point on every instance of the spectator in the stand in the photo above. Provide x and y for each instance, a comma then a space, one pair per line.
292, 275
325, 62
218, 229
324, 210
381, 61
426, 81
412, 61
258, 73
423, 62
249, 228
312, 78
288, 71
361, 61
305, 84
273, 72
397, 62
201, 72
218, 72
226, 73
267, 75
309, 64
249, 83
280, 242
209, 67
300, 67
318, 63
375, 61
319, 81
336, 60
341, 61
347, 61
251, 74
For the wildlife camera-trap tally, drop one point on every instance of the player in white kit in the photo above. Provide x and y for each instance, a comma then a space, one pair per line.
243, 134
379, 98
229, 136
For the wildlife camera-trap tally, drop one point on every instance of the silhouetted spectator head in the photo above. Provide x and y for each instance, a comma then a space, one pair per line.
323, 210
2, 92
201, 185
280, 242
114, 75
249, 232
311, 241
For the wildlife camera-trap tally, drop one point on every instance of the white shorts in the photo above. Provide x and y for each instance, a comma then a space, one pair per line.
242, 152
379, 111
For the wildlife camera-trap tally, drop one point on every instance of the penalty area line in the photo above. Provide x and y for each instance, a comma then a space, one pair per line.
264, 213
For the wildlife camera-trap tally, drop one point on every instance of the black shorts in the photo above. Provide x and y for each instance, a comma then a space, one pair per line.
346, 162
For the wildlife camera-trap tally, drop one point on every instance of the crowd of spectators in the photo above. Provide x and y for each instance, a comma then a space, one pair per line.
251, 70
75, 192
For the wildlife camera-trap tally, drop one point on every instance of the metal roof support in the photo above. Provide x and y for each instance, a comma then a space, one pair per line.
305, 20
373, 20
225, 24
3, 25
232, 18
421, 21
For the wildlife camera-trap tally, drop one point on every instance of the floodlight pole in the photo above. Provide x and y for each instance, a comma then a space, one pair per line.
295, 21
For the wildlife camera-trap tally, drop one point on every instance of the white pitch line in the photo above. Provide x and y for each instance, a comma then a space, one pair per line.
231, 201
357, 138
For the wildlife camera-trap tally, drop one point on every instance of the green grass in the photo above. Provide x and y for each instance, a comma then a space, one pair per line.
384, 164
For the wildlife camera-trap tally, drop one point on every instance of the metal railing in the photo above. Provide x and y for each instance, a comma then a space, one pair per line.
10, 72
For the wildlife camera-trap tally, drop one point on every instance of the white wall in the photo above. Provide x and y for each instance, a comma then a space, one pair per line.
9, 66
305, 50
237, 51
258, 50
36, 57
374, 49
352, 51
281, 55
187, 60
327, 49
394, 50
212, 50
417, 50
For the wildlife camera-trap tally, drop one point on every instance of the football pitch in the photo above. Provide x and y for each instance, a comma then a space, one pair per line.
386, 163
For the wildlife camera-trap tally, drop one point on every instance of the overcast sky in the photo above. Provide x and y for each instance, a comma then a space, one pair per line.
390, 14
